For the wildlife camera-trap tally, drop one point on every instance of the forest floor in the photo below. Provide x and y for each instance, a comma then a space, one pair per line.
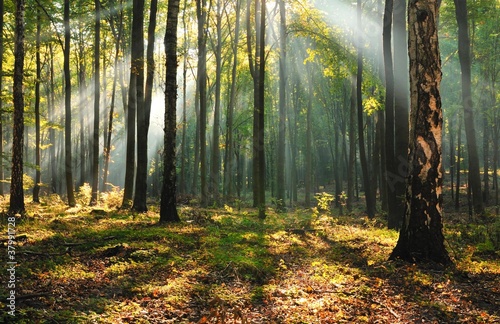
84, 265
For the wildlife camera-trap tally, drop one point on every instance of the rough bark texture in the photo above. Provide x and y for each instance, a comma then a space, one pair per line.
421, 237
67, 107
16, 184
470, 133
168, 209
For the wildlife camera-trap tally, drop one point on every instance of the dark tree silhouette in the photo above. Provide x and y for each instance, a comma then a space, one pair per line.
168, 208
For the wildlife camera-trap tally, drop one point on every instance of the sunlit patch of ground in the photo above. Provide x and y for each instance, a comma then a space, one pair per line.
226, 265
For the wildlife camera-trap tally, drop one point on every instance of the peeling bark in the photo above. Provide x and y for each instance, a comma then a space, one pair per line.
421, 236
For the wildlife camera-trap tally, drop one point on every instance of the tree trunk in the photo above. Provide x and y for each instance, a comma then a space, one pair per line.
260, 114
168, 208
392, 216
97, 102
228, 158
452, 157
16, 184
183, 179
141, 174
215, 165
1, 98
421, 236
67, 104
470, 133
370, 199
107, 148
280, 181
52, 134
201, 11
352, 147
308, 152
401, 109
458, 164
38, 180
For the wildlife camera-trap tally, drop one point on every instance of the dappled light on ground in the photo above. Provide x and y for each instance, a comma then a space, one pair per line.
228, 266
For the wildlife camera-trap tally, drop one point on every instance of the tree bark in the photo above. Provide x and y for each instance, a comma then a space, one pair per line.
421, 236
470, 133
67, 104
201, 12
392, 217
280, 181
16, 184
1, 99
97, 102
141, 175
38, 178
168, 208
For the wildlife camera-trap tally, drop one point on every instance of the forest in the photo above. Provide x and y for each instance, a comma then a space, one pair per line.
250, 161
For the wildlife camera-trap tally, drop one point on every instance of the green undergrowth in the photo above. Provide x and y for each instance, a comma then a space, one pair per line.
109, 266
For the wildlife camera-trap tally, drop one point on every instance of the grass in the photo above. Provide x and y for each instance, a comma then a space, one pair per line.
303, 266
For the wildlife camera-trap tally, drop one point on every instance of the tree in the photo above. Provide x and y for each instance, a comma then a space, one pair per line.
280, 159
392, 217
97, 101
421, 237
201, 12
257, 70
67, 108
135, 100
215, 163
401, 109
1, 97
470, 133
228, 158
369, 194
168, 209
143, 110
16, 184
38, 180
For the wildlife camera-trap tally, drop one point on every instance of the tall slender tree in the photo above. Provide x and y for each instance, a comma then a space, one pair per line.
470, 133
401, 108
168, 209
97, 102
16, 183
392, 217
421, 237
280, 152
38, 177
369, 194
202, 12
67, 107
215, 163
1, 98
142, 118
